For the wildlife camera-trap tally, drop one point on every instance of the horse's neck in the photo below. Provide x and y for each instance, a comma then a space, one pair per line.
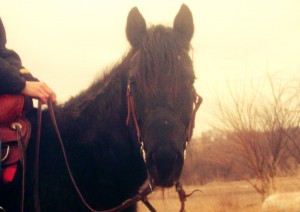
103, 101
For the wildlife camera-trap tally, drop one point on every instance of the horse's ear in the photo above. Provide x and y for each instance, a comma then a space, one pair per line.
136, 27
183, 23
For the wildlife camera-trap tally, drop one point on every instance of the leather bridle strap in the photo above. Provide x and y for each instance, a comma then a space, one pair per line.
37, 157
18, 128
183, 196
147, 203
131, 111
130, 108
142, 195
197, 103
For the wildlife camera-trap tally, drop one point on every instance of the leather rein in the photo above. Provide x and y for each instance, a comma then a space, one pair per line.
144, 191
141, 196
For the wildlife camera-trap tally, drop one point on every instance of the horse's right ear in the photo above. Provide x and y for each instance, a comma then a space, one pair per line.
136, 27
183, 23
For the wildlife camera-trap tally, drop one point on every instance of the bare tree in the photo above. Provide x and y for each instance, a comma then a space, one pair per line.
261, 127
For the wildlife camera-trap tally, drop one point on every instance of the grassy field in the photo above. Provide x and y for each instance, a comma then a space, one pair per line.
236, 196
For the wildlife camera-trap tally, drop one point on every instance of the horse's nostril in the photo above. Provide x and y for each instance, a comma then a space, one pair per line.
165, 166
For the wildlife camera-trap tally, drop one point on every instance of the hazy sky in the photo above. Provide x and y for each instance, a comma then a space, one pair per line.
67, 43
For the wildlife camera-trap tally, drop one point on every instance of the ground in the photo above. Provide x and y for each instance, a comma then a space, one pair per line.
218, 196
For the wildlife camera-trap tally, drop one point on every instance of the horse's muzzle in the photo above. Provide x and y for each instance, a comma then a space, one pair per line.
164, 166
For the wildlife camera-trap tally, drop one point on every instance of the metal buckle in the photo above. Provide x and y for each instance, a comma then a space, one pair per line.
5, 155
143, 153
16, 125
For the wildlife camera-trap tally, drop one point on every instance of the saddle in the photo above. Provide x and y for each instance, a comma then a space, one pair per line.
15, 132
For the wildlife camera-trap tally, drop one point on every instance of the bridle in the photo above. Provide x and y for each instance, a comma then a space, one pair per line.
146, 189
131, 112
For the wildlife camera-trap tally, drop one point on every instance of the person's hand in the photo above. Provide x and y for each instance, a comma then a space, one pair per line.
39, 90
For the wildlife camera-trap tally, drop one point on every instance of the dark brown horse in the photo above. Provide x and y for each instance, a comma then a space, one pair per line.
145, 102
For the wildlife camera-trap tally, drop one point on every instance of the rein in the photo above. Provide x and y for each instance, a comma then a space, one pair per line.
36, 159
145, 191
18, 128
140, 196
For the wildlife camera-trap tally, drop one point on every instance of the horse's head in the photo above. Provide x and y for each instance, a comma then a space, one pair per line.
161, 96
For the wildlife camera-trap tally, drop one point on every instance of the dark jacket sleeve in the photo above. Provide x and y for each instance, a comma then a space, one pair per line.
11, 80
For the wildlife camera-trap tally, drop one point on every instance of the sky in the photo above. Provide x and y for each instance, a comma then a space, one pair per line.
67, 43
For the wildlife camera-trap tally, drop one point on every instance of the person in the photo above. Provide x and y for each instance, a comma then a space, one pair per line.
15, 79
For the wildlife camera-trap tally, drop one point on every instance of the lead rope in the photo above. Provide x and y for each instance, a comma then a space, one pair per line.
182, 195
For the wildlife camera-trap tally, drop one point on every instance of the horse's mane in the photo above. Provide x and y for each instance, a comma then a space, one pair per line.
98, 87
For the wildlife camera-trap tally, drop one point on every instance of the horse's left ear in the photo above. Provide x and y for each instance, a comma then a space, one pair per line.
183, 23
136, 27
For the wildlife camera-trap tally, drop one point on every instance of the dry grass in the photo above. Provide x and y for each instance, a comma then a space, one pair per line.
217, 197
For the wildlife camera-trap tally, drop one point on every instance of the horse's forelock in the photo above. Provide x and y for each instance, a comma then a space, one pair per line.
159, 59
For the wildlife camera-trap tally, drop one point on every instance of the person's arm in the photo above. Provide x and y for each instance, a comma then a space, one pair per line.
15, 79
8, 55
11, 81
11, 57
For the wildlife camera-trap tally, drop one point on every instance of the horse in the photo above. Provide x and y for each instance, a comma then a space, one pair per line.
130, 125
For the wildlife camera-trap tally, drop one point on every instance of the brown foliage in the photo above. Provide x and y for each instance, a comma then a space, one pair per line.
221, 156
